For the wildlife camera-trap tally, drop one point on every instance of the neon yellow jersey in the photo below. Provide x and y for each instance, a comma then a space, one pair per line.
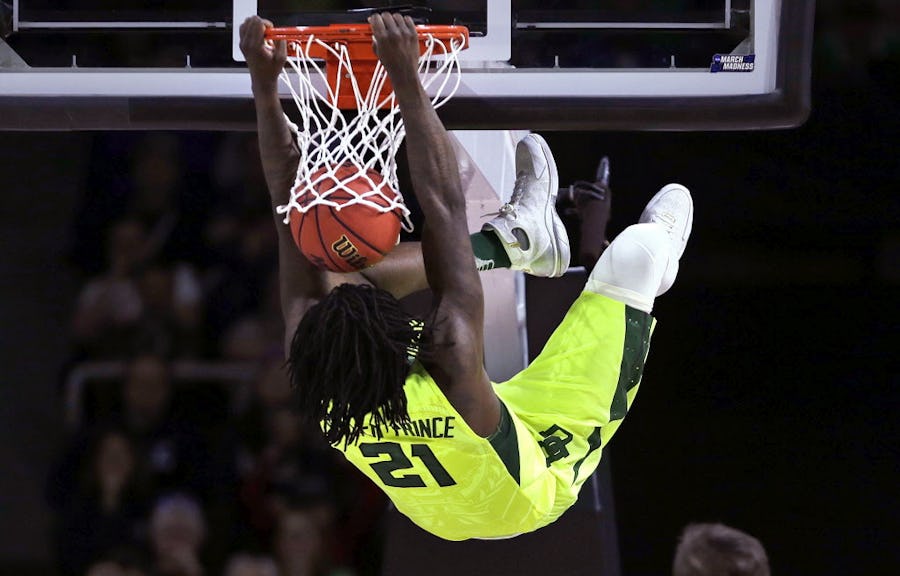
446, 478
559, 413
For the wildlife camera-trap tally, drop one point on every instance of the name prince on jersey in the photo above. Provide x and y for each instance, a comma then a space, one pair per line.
435, 427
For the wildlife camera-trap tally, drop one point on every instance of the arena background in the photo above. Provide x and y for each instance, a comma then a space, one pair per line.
772, 389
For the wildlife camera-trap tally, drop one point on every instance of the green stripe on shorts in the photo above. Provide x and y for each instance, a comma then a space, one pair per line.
595, 441
506, 443
637, 344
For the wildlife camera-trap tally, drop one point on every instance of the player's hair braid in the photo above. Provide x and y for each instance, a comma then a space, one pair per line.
350, 357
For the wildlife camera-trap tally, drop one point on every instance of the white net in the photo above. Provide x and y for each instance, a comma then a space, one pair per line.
338, 149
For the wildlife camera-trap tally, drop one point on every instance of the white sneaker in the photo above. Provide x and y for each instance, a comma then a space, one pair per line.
672, 207
528, 225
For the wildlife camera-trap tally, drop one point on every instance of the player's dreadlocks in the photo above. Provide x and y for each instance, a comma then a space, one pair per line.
350, 357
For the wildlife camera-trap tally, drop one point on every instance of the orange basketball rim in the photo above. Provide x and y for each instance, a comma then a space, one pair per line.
325, 43
332, 70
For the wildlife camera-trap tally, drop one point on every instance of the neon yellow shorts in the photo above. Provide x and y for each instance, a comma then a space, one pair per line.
574, 395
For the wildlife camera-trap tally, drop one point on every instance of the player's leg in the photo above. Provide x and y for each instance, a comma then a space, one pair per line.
575, 394
642, 262
528, 226
526, 235
402, 272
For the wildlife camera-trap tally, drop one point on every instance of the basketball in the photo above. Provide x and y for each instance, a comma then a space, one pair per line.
348, 237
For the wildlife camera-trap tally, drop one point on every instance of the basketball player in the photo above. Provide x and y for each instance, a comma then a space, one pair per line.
407, 401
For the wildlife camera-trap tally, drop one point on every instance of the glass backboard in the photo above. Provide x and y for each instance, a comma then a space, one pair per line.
533, 64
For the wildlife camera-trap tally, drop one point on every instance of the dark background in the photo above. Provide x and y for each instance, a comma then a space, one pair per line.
771, 394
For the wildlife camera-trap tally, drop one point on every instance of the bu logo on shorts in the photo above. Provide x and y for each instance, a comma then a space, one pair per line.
555, 445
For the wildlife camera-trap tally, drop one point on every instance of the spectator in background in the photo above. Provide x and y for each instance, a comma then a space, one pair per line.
147, 393
719, 550
239, 239
270, 389
291, 466
111, 568
177, 535
170, 449
237, 173
257, 335
105, 569
106, 507
247, 339
149, 451
301, 544
171, 322
239, 280
137, 304
240, 276
284, 465
247, 565
148, 178
109, 305
122, 562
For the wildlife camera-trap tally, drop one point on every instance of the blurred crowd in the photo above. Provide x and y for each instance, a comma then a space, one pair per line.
174, 472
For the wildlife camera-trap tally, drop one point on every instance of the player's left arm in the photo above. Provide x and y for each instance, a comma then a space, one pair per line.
458, 364
300, 282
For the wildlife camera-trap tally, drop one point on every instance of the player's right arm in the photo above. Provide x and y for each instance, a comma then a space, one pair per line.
300, 283
458, 355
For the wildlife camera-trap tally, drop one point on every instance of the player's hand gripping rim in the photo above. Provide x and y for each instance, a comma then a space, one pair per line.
265, 58
396, 43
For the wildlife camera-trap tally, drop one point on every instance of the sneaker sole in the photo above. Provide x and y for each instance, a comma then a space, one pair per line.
552, 221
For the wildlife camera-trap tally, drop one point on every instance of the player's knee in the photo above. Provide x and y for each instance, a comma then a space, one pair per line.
637, 251
635, 260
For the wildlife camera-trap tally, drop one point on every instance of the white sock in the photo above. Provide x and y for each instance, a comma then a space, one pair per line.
636, 267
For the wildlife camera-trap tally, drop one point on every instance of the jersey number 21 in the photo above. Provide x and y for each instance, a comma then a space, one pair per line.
398, 461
